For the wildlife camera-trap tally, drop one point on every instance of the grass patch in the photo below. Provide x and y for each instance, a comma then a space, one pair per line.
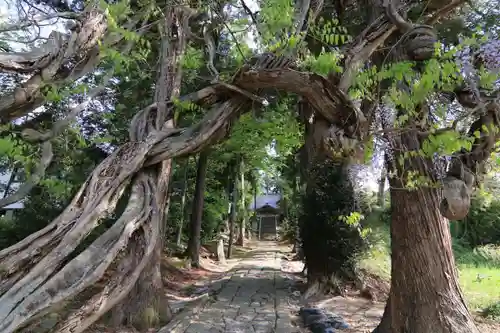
483, 292
479, 269
479, 275
377, 259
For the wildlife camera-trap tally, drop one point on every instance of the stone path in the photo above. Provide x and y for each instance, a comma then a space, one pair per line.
253, 299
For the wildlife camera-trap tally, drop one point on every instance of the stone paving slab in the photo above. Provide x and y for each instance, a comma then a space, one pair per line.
252, 300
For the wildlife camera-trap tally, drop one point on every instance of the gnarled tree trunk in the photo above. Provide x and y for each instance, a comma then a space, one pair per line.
425, 295
39, 265
124, 263
146, 305
431, 300
62, 57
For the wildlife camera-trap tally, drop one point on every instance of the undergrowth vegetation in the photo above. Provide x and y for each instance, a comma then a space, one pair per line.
478, 264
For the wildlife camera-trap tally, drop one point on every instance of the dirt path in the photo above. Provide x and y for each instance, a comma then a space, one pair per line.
252, 299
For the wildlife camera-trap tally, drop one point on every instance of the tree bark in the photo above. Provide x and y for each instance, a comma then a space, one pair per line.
146, 305
197, 213
330, 245
421, 249
421, 244
254, 223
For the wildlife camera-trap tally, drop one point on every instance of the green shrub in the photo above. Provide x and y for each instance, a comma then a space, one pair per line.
330, 229
492, 311
480, 256
481, 226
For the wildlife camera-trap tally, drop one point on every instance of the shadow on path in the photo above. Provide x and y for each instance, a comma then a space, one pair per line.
252, 298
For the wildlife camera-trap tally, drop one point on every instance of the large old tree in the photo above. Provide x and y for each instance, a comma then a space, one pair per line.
42, 274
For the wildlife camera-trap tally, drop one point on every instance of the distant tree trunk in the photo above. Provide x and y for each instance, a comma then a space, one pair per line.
249, 229
296, 238
243, 222
168, 201
196, 216
381, 187
421, 249
232, 213
253, 224
183, 203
